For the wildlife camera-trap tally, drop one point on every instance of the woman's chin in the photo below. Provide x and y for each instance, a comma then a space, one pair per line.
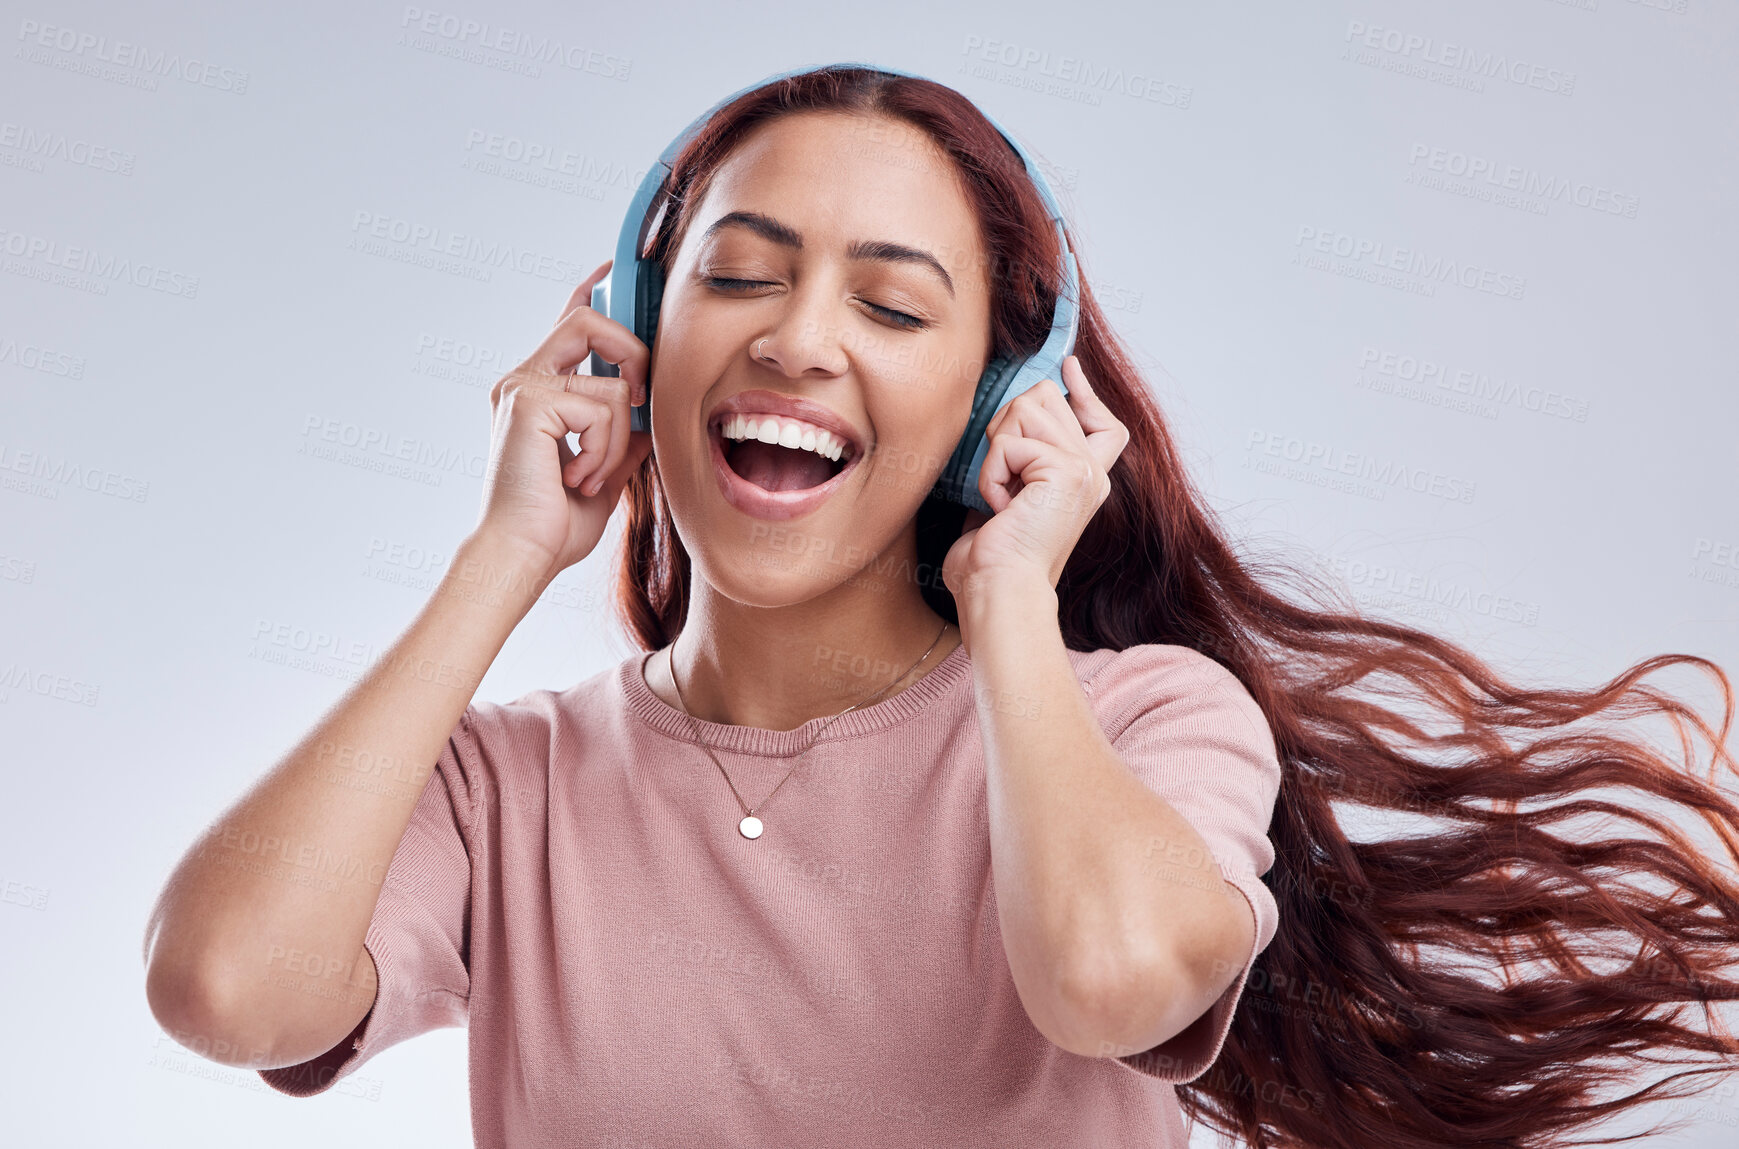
775, 565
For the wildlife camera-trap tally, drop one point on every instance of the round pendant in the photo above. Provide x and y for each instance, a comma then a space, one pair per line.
750, 827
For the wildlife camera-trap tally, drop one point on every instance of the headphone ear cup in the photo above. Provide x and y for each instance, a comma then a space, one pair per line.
597, 364
958, 482
649, 294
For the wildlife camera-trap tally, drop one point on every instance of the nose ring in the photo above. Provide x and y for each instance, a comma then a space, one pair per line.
758, 353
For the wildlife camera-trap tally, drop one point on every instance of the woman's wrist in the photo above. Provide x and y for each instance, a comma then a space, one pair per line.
497, 572
993, 599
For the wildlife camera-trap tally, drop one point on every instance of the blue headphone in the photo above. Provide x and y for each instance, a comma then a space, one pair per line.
636, 286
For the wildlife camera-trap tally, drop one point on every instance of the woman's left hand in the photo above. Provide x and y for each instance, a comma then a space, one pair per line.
1046, 474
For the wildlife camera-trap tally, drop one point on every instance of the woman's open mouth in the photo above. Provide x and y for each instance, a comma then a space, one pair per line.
776, 467
779, 454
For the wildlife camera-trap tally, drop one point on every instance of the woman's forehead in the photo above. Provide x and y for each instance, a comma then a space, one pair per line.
845, 179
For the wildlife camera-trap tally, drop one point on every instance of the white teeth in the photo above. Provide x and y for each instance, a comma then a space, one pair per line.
784, 432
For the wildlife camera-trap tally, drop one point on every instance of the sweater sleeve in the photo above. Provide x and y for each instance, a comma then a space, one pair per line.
1188, 728
420, 931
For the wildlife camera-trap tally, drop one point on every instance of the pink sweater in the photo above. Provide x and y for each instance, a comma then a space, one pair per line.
634, 972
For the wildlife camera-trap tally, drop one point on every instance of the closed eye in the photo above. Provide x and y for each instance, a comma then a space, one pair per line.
734, 284
899, 318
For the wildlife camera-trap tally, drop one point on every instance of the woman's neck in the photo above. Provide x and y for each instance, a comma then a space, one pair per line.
778, 668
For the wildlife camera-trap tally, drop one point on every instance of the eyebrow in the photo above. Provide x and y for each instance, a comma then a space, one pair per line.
878, 249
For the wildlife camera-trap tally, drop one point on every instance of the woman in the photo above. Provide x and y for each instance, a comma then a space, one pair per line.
916, 826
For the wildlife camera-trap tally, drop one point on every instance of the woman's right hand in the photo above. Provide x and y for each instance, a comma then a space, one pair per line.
540, 497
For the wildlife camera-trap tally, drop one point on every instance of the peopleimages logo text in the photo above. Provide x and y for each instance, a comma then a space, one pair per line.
412, 234
122, 54
510, 42
101, 265
1453, 57
390, 445
40, 465
1074, 70
1412, 261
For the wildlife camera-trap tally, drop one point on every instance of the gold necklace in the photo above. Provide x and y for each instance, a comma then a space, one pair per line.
752, 827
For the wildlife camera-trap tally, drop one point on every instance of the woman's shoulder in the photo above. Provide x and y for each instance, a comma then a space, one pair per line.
502, 752
1150, 668
1168, 691
534, 718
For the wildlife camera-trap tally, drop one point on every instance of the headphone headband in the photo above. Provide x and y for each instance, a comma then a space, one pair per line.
636, 288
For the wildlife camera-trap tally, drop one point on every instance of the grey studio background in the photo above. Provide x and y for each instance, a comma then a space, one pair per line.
1439, 296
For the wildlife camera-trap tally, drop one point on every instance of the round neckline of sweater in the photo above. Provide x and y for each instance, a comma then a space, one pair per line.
941, 680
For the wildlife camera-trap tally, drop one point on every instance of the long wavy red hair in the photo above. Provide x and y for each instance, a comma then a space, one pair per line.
1483, 980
